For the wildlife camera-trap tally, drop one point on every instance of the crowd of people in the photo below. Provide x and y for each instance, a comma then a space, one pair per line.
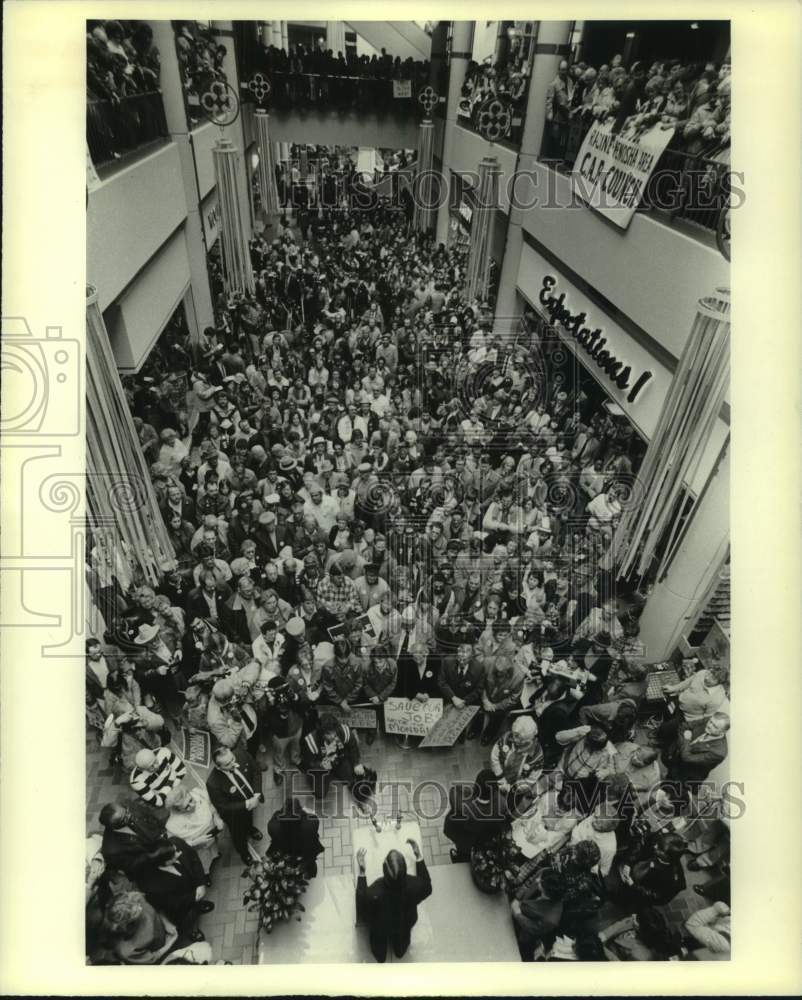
691, 99
123, 72
370, 493
508, 80
312, 75
200, 62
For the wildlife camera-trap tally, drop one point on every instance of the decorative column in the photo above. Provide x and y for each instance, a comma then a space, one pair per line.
461, 53
481, 224
267, 168
422, 217
275, 27
237, 272
651, 530
121, 504
551, 45
284, 35
335, 37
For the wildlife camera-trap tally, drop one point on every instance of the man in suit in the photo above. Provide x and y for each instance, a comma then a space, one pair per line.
207, 600
390, 905
699, 747
461, 678
235, 790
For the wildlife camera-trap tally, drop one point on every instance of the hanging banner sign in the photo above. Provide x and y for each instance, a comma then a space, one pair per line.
402, 88
446, 732
611, 171
410, 717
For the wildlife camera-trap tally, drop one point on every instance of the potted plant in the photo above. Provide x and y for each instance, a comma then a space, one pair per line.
277, 884
487, 866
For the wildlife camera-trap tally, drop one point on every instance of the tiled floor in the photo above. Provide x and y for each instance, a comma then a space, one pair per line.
229, 928
409, 778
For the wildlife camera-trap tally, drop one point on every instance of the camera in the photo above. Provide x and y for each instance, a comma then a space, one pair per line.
42, 381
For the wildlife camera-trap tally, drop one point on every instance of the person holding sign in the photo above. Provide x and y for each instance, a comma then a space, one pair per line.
390, 904
418, 673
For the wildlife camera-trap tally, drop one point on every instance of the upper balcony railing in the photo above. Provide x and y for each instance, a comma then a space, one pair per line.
117, 128
305, 91
693, 186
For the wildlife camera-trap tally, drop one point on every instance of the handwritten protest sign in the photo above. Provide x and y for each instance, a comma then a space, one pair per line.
410, 717
357, 718
445, 732
360, 625
402, 88
611, 170
197, 747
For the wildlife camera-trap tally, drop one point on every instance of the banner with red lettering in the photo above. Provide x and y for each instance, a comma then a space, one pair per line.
611, 170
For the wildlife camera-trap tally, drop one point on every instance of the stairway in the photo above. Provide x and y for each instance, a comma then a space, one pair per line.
400, 38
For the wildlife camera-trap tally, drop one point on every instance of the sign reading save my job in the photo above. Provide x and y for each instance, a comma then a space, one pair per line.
611, 170
410, 717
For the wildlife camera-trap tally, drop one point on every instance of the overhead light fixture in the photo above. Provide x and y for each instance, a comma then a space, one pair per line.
694, 26
630, 34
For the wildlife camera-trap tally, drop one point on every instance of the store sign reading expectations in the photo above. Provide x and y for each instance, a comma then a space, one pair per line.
591, 341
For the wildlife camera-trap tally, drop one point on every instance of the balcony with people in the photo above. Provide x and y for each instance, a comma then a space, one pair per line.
496, 86
688, 99
307, 77
124, 111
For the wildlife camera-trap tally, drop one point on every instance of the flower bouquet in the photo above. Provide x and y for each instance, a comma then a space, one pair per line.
488, 862
277, 884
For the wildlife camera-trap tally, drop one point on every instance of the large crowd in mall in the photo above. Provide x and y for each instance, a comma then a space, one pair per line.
371, 492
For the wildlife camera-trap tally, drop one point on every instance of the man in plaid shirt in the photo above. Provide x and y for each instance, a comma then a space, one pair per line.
338, 594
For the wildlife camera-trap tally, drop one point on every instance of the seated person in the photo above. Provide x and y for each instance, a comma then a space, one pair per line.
293, 830
476, 813
501, 693
331, 753
517, 758
390, 905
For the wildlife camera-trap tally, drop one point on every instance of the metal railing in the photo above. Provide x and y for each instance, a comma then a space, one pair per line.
306, 91
683, 185
116, 129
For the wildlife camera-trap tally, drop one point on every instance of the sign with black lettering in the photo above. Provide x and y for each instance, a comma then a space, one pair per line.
357, 718
409, 717
446, 732
197, 747
612, 169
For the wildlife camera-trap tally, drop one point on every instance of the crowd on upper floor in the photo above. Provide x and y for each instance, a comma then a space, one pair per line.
121, 60
690, 98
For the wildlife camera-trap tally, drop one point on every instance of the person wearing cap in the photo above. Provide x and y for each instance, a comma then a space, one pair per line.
587, 759
516, 759
343, 496
370, 587
320, 453
323, 507
271, 537
234, 787
158, 664
155, 774
337, 594
172, 452
212, 461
